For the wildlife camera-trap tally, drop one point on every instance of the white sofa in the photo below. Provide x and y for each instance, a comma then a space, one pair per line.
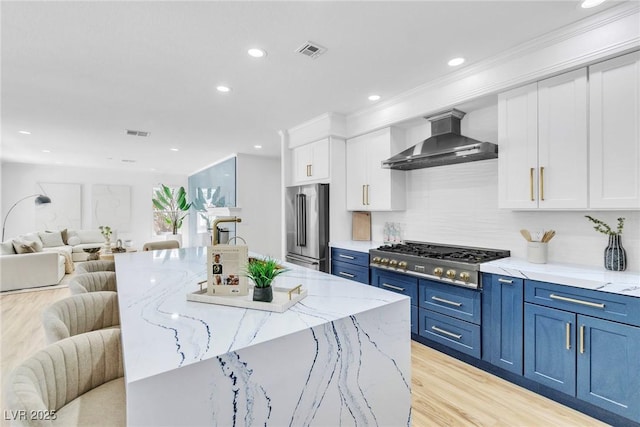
47, 265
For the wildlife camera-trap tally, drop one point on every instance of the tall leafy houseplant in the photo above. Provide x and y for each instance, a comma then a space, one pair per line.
173, 205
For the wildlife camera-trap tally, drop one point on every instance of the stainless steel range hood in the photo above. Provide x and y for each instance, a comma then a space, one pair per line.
446, 146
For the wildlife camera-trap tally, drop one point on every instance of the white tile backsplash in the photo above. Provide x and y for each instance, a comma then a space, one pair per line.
458, 204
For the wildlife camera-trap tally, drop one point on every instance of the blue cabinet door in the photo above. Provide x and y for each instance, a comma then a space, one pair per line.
394, 282
609, 366
550, 347
503, 322
350, 271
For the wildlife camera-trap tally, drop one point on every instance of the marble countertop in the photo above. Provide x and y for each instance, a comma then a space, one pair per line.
357, 245
162, 331
617, 282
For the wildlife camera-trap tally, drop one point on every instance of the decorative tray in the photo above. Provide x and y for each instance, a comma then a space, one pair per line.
283, 299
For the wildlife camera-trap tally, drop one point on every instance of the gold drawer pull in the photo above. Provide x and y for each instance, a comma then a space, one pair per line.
363, 199
450, 334
342, 273
346, 256
446, 301
542, 183
582, 339
397, 288
568, 336
577, 301
531, 184
501, 280
297, 288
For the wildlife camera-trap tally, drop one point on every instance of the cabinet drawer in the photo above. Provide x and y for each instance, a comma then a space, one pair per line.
352, 257
461, 303
394, 282
619, 308
457, 334
350, 271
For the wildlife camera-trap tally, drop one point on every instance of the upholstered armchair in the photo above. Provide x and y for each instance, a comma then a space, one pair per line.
93, 282
79, 314
93, 266
78, 381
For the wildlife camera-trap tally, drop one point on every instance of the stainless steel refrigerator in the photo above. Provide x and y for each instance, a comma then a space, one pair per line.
307, 222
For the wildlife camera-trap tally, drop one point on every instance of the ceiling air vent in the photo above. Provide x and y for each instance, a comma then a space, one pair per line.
311, 49
137, 133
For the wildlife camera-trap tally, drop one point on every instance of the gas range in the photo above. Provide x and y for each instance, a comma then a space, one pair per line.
455, 265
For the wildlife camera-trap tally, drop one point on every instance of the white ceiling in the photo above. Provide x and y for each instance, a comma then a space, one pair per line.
77, 74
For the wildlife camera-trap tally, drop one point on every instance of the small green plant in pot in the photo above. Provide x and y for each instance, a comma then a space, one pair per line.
262, 273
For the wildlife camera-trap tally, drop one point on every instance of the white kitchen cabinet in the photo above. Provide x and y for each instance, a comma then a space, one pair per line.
369, 186
311, 162
542, 137
614, 131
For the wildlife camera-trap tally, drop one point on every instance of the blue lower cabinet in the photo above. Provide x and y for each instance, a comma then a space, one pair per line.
550, 347
503, 322
394, 282
609, 366
350, 271
457, 334
454, 301
414, 320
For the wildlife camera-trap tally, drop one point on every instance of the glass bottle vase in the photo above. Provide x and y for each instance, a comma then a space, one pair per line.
615, 257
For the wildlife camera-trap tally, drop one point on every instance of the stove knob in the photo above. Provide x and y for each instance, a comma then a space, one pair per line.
464, 276
376, 260
402, 265
393, 263
384, 261
437, 271
451, 274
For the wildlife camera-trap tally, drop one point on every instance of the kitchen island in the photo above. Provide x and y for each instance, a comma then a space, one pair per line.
341, 356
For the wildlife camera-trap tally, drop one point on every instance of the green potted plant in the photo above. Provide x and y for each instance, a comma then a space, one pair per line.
262, 273
173, 205
615, 257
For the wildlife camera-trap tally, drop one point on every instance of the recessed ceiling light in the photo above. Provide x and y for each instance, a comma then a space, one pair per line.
46, 151
256, 53
374, 97
175, 149
223, 89
24, 132
586, 4
455, 62
257, 147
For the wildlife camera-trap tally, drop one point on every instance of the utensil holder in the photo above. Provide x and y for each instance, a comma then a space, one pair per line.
537, 252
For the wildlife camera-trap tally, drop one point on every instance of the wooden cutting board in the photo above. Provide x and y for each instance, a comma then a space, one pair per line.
361, 226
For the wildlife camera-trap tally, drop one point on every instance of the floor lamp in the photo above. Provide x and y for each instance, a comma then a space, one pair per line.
40, 200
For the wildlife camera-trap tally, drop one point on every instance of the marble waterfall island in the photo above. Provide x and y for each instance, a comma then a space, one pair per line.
341, 356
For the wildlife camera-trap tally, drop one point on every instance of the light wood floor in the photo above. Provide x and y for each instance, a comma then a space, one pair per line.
446, 392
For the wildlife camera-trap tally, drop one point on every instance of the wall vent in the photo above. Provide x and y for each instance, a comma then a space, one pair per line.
137, 133
311, 49
128, 161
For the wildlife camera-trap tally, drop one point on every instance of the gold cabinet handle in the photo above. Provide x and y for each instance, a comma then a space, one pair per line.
507, 281
577, 301
450, 334
368, 194
542, 183
363, 200
531, 184
568, 336
582, 339
446, 301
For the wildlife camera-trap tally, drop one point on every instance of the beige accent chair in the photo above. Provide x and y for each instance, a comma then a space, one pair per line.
93, 266
165, 244
93, 282
79, 314
81, 378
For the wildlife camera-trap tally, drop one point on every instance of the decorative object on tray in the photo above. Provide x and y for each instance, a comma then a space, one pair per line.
262, 273
119, 248
93, 253
283, 299
106, 233
225, 267
615, 257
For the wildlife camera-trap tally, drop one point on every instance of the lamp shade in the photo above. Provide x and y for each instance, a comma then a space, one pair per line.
42, 199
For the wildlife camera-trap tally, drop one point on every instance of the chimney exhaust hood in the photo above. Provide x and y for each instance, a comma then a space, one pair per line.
446, 146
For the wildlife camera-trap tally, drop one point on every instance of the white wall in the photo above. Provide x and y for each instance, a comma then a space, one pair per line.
458, 204
20, 179
259, 188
